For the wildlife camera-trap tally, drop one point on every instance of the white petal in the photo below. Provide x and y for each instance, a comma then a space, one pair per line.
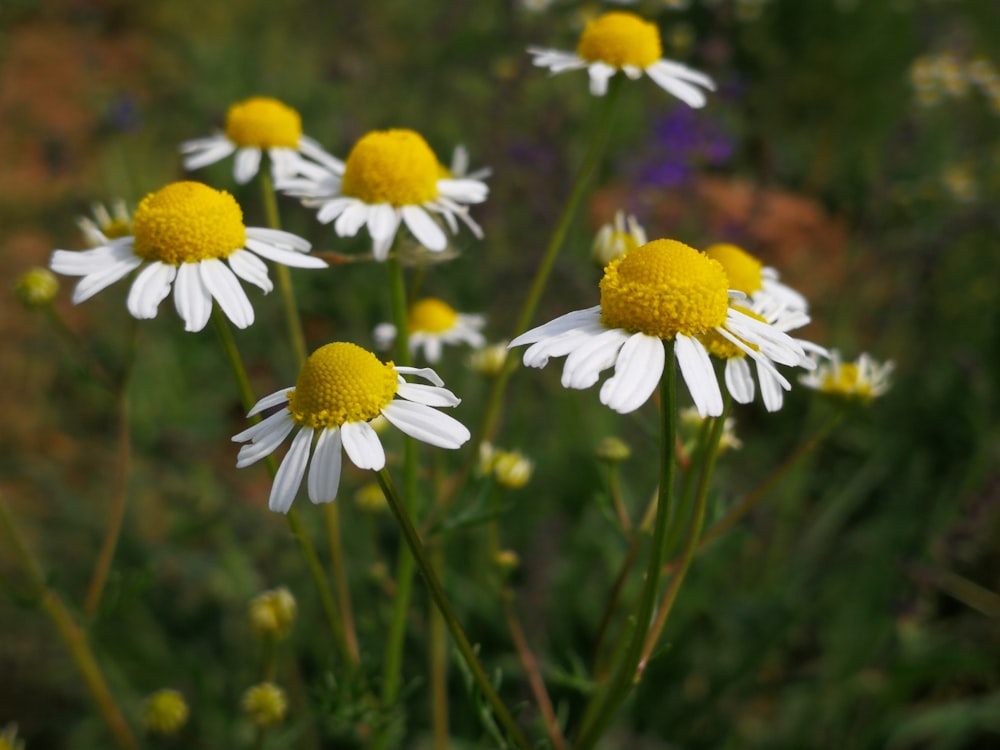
538, 354
380, 248
770, 389
362, 446
637, 373
289, 476
324, 473
311, 148
351, 219
464, 190
600, 73
251, 269
563, 323
383, 220
86, 262
149, 289
331, 209
266, 435
421, 372
192, 300
424, 228
426, 424
432, 348
209, 153
585, 364
283, 256
427, 394
272, 399
246, 164
669, 82
226, 289
696, 369
739, 380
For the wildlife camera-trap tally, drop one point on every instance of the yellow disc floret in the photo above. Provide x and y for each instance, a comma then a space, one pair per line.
664, 288
743, 270
392, 166
341, 383
187, 222
262, 122
722, 347
620, 39
431, 315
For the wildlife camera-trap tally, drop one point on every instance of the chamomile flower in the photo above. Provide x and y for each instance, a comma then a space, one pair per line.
749, 275
390, 177
861, 380
622, 41
617, 238
432, 324
191, 238
106, 225
340, 389
254, 126
739, 380
663, 290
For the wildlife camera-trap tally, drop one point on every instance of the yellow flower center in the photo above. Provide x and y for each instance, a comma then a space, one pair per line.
846, 381
620, 39
341, 383
664, 288
722, 347
431, 315
392, 166
116, 228
263, 122
743, 270
187, 222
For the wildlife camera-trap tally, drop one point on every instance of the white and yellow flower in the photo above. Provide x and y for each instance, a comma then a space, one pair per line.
340, 390
615, 239
432, 324
663, 290
749, 275
190, 238
861, 380
390, 177
254, 126
106, 225
622, 41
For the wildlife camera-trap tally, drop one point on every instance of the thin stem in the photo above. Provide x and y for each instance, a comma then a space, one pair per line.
71, 634
438, 657
86, 353
331, 514
412, 538
605, 704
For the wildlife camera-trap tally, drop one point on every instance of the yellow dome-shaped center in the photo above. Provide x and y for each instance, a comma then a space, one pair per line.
620, 39
341, 383
431, 315
263, 122
187, 222
743, 270
392, 166
722, 347
846, 381
664, 288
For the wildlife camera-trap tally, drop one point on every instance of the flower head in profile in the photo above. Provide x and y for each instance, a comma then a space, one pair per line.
510, 469
265, 704
621, 41
189, 238
390, 177
36, 288
165, 712
254, 126
617, 238
272, 613
340, 390
861, 380
663, 290
749, 275
105, 225
432, 323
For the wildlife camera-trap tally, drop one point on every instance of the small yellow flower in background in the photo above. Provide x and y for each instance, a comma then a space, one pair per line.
265, 704
36, 288
165, 712
612, 450
272, 613
254, 126
390, 177
510, 469
861, 380
617, 238
507, 560
621, 41
489, 360
105, 226
189, 238
432, 324
341, 388
370, 498
9, 740
691, 422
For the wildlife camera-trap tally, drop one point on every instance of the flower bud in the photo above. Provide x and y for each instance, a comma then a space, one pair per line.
272, 613
37, 288
165, 712
265, 704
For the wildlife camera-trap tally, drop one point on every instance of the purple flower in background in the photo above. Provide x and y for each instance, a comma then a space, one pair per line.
682, 142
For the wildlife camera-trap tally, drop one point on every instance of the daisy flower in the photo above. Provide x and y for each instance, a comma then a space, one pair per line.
340, 389
861, 380
431, 324
622, 41
739, 380
663, 290
390, 177
105, 225
615, 239
749, 275
254, 126
180, 236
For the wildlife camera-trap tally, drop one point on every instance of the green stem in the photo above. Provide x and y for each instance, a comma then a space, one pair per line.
438, 658
412, 538
605, 704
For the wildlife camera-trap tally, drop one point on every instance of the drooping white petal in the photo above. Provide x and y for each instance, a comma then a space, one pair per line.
538, 354
432, 348
283, 256
251, 269
272, 399
430, 395
324, 472
421, 372
246, 164
556, 60
586, 362
426, 424
266, 435
600, 73
95, 282
280, 238
352, 218
333, 208
311, 148
464, 190
192, 300
149, 289
424, 228
208, 151
696, 369
770, 389
567, 322
86, 262
362, 446
739, 380
226, 289
289, 477
637, 373
664, 77
383, 221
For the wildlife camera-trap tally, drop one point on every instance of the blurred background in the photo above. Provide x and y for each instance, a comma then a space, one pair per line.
853, 145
